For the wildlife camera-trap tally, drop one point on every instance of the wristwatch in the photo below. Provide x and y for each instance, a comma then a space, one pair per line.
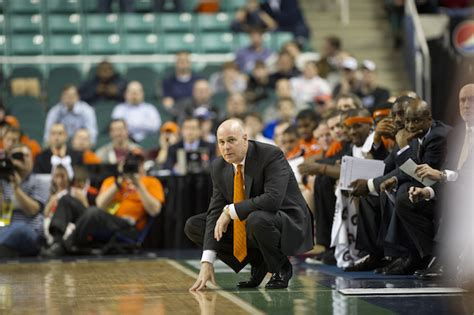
226, 210
444, 176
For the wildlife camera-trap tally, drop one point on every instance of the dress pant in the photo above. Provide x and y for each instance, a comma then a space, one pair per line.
369, 223
68, 210
263, 240
325, 205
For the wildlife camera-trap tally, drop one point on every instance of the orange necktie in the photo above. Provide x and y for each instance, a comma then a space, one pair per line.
240, 237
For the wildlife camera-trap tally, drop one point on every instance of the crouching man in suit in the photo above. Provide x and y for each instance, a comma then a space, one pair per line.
257, 214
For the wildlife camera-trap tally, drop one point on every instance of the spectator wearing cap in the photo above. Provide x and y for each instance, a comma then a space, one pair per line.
169, 135
247, 57
369, 92
142, 118
349, 82
309, 85
191, 142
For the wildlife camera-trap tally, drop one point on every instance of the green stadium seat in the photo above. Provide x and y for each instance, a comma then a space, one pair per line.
175, 22
142, 43
27, 45
3, 45
23, 6
101, 23
173, 43
147, 77
30, 24
280, 38
233, 5
190, 5
64, 6
65, 44
58, 77
243, 40
104, 44
64, 24
213, 22
26, 72
2, 24
216, 42
103, 112
150, 142
143, 5
138, 23
30, 114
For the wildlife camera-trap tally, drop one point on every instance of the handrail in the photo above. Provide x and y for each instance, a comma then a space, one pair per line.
344, 7
423, 79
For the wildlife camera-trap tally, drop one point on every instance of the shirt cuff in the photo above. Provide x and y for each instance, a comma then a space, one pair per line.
432, 193
370, 184
232, 212
209, 256
451, 176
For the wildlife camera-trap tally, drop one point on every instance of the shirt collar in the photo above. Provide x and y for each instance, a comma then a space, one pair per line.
74, 110
467, 128
242, 163
420, 140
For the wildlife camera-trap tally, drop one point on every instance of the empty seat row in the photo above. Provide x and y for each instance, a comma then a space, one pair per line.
109, 44
114, 23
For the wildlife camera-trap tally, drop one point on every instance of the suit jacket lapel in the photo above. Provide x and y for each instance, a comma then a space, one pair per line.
250, 169
229, 180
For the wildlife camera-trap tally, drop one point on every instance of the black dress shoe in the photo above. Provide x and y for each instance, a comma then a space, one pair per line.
435, 270
405, 267
328, 257
257, 274
389, 265
280, 279
366, 263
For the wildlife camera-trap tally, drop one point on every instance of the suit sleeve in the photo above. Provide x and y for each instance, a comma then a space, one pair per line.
217, 203
276, 177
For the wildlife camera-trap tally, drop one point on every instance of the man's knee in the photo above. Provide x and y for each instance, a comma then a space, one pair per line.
194, 228
258, 221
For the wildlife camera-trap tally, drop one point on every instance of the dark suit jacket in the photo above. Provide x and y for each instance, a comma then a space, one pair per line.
43, 160
270, 185
172, 153
432, 151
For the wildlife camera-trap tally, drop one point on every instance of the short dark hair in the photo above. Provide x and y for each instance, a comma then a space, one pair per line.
292, 130
117, 120
308, 114
334, 41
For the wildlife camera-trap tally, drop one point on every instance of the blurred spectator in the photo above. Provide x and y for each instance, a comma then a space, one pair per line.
142, 118
207, 6
247, 57
369, 92
120, 145
309, 85
191, 142
106, 85
236, 107
72, 113
322, 134
253, 124
81, 142
289, 18
278, 133
160, 6
126, 6
58, 152
201, 99
286, 68
229, 79
286, 112
10, 138
169, 135
290, 142
207, 121
179, 86
301, 58
23, 194
349, 81
331, 52
306, 121
258, 86
348, 101
252, 16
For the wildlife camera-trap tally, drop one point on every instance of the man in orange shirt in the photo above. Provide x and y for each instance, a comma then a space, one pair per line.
124, 201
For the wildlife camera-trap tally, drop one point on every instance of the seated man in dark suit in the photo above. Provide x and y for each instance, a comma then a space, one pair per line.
190, 143
270, 218
409, 231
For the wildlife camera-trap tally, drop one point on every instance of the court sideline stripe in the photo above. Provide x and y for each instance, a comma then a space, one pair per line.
231, 297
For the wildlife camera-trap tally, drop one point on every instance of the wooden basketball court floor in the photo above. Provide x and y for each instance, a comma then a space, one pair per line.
156, 284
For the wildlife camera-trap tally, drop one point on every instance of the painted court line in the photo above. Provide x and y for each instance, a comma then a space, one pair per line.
231, 297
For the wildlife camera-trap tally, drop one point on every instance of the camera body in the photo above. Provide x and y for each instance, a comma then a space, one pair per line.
132, 164
7, 168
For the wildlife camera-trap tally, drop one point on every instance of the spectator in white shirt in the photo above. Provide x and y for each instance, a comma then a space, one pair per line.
309, 85
142, 118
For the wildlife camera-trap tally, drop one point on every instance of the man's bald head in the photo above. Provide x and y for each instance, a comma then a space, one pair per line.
466, 103
232, 140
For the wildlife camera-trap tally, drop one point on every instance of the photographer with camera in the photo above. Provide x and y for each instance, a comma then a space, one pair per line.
124, 202
22, 197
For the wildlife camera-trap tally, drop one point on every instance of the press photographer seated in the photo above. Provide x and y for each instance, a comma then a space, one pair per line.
124, 201
22, 197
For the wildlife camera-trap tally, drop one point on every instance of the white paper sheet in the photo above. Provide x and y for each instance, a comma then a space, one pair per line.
409, 168
354, 168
